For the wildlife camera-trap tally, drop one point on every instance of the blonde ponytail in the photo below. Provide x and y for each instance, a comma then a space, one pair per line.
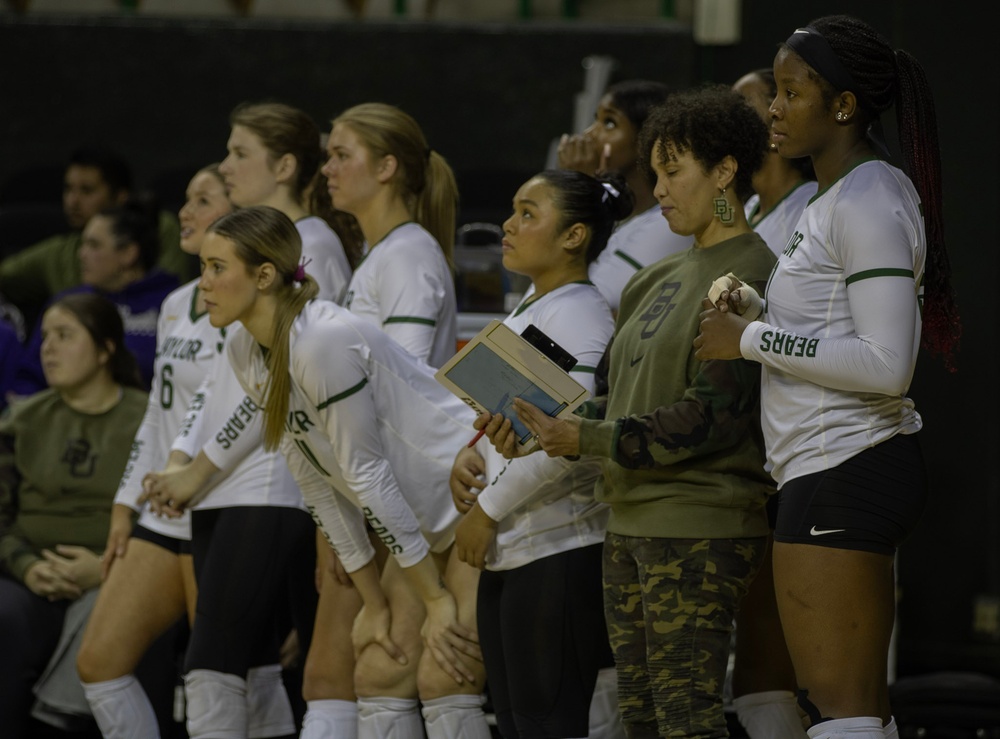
262, 235
424, 179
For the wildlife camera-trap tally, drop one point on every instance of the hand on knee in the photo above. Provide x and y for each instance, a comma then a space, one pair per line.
376, 673
434, 682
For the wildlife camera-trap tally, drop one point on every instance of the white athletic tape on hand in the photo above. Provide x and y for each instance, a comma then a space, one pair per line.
750, 305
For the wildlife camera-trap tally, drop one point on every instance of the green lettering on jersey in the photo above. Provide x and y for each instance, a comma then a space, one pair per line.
793, 243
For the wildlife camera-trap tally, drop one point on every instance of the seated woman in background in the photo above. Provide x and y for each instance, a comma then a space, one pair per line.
62, 452
117, 259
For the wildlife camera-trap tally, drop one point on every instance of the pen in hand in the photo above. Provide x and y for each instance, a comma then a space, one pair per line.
477, 437
479, 434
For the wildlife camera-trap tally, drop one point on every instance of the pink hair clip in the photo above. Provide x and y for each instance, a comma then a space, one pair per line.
300, 271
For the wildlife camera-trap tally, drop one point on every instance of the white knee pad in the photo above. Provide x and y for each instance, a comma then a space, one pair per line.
122, 709
270, 711
389, 718
890, 729
605, 720
859, 727
456, 715
325, 719
216, 705
771, 714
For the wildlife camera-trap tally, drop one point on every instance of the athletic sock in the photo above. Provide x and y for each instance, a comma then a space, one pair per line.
890, 729
269, 710
389, 718
122, 709
460, 714
330, 719
859, 727
216, 705
771, 714
605, 720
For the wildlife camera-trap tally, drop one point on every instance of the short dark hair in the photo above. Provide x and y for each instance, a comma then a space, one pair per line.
114, 171
712, 122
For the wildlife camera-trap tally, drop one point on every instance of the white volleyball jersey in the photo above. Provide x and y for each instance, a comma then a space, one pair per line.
186, 347
777, 226
839, 337
227, 425
405, 287
546, 505
636, 243
371, 422
324, 257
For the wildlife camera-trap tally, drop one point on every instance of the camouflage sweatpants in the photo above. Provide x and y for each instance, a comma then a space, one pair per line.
670, 605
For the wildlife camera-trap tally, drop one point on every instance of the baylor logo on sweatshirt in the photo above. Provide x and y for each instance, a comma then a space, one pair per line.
79, 457
659, 309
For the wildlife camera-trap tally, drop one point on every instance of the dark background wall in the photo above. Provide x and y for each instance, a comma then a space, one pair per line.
491, 98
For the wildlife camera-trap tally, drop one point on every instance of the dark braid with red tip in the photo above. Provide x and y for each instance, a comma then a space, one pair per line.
885, 77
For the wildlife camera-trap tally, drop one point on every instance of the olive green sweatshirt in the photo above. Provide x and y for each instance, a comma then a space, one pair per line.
59, 471
681, 440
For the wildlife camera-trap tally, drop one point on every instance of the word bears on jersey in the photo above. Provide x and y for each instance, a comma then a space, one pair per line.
779, 342
236, 423
382, 532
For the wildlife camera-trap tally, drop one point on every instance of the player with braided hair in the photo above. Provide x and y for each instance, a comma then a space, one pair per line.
844, 311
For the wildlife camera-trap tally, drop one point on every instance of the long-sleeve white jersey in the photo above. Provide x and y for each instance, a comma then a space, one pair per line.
224, 422
841, 329
636, 243
546, 505
777, 226
186, 347
369, 434
327, 262
216, 424
405, 287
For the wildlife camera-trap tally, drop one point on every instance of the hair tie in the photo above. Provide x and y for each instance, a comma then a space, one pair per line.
609, 189
300, 271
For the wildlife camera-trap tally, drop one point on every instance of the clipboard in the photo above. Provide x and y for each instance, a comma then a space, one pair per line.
497, 366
